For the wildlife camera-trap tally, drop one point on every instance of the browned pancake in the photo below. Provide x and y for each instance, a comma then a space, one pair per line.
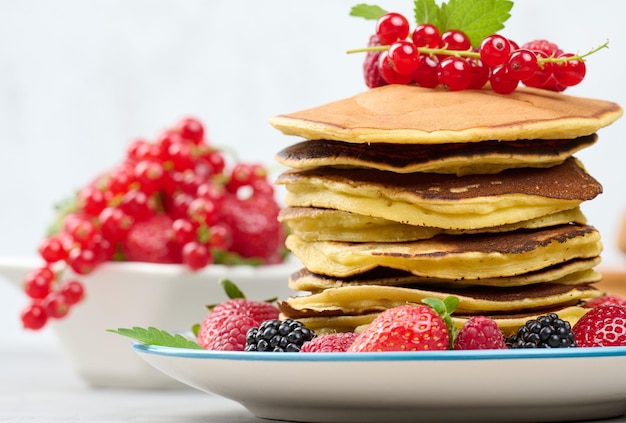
576, 271
363, 300
404, 114
453, 257
443, 201
460, 159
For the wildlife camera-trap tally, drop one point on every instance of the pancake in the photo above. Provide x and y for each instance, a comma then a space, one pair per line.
577, 271
316, 224
366, 299
460, 159
508, 323
443, 201
404, 114
473, 256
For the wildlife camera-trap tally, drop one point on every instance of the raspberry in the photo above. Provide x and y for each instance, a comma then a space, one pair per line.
332, 342
605, 299
256, 231
258, 310
150, 241
404, 328
227, 333
602, 326
371, 72
549, 49
543, 332
479, 333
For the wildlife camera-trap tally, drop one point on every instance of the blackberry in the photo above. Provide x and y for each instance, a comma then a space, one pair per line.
543, 332
278, 336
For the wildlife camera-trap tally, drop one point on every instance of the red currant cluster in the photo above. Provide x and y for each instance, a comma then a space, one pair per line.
430, 58
173, 200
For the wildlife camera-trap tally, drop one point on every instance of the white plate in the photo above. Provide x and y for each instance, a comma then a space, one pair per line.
497, 385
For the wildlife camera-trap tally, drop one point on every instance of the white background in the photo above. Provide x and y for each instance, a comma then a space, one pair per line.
80, 79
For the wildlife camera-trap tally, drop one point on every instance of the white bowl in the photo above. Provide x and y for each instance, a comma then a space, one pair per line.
127, 294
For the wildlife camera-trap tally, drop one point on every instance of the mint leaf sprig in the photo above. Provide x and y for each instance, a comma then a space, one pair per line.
154, 336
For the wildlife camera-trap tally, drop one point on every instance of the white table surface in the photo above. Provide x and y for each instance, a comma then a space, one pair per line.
39, 386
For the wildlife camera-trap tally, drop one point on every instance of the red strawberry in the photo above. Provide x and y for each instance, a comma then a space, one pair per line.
404, 328
480, 333
332, 342
371, 71
151, 241
605, 299
602, 326
256, 231
226, 333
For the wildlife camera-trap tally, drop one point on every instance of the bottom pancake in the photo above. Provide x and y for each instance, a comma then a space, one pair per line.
366, 299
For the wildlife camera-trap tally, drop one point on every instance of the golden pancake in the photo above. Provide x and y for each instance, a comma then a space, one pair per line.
473, 256
577, 271
459, 159
315, 224
404, 114
367, 299
443, 201
508, 323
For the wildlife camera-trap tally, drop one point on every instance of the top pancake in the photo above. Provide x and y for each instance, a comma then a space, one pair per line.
406, 114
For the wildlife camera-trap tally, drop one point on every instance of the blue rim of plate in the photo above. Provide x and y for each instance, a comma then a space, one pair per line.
450, 355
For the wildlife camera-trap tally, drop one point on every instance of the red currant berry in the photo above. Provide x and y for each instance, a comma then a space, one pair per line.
140, 149
522, 64
543, 74
221, 236
37, 283
34, 316
388, 73
82, 260
403, 56
455, 73
570, 73
426, 35
149, 174
392, 27
196, 255
55, 305
80, 228
51, 249
138, 205
183, 231
191, 129
455, 40
501, 81
203, 211
114, 223
180, 154
495, 50
92, 200
73, 292
426, 75
480, 74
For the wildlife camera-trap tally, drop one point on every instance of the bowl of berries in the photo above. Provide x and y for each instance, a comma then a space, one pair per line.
147, 242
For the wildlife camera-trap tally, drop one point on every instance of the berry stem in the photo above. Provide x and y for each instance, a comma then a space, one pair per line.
476, 55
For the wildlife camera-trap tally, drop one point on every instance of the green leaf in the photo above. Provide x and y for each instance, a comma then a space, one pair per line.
231, 289
477, 18
195, 329
427, 11
367, 11
154, 336
451, 303
445, 309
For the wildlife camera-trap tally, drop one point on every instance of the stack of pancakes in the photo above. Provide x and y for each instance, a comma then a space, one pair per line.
402, 192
